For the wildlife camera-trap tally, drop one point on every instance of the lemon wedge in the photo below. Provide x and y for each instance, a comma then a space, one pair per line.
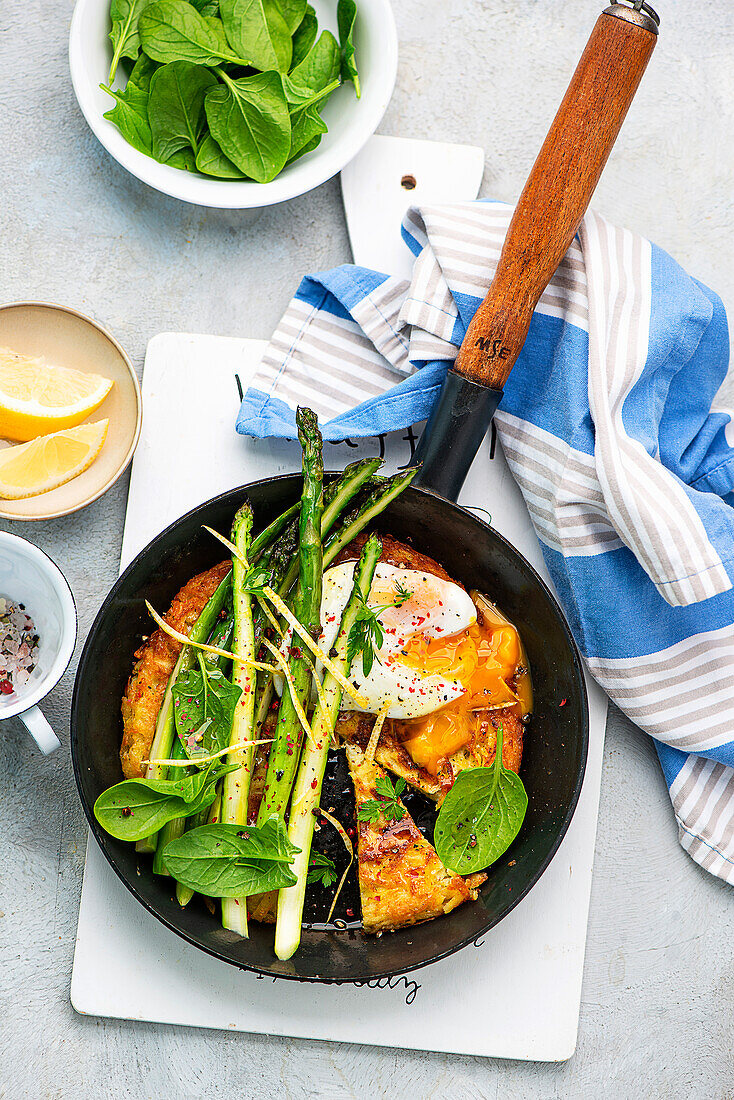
37, 398
49, 461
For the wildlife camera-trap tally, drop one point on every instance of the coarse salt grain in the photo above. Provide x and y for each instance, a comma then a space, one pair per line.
18, 646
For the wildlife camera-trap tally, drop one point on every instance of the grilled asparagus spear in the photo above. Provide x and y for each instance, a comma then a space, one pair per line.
236, 785
336, 496
307, 788
376, 502
286, 747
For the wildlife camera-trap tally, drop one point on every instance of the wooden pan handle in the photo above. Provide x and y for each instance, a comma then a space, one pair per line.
558, 190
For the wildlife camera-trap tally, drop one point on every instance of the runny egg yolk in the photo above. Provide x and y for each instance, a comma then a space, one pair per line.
484, 658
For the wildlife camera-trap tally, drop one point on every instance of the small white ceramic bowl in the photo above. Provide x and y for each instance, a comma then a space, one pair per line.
28, 576
351, 121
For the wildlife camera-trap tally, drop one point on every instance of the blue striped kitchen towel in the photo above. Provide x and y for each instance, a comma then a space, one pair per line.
609, 428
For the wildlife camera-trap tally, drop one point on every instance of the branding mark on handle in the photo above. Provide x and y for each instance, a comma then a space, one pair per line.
494, 347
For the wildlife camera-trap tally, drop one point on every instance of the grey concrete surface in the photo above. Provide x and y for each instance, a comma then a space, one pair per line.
658, 995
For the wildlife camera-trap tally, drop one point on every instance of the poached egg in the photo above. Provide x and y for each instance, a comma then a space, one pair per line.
415, 610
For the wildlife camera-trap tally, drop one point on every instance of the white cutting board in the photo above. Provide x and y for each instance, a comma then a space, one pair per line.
516, 994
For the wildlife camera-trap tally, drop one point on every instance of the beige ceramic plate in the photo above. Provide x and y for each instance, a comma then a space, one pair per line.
68, 339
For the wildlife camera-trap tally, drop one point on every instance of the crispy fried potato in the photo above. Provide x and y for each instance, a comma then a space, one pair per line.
391, 754
263, 907
355, 729
480, 751
155, 660
395, 553
401, 879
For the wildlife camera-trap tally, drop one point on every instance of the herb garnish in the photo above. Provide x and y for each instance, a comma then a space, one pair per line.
367, 635
387, 804
321, 868
402, 594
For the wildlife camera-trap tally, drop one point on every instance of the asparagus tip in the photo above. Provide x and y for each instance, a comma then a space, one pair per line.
243, 516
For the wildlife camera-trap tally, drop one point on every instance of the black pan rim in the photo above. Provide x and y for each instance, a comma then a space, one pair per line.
372, 976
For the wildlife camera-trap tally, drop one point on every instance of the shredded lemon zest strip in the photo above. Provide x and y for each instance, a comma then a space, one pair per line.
208, 759
316, 682
271, 617
376, 731
230, 545
283, 664
349, 847
179, 637
204, 646
299, 629
497, 706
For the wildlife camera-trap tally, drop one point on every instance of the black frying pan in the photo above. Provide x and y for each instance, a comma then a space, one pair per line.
553, 761
547, 217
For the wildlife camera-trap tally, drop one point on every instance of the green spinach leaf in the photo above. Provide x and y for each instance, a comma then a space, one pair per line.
307, 148
225, 861
346, 14
257, 30
307, 128
212, 162
217, 26
204, 702
130, 115
304, 36
136, 808
183, 159
307, 125
173, 30
292, 12
142, 74
207, 8
319, 68
124, 36
268, 841
176, 108
480, 816
249, 120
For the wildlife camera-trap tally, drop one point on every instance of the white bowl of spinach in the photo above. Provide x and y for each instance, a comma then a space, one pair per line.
233, 103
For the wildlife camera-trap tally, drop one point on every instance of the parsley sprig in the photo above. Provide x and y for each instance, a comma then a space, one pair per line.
367, 635
387, 804
321, 869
